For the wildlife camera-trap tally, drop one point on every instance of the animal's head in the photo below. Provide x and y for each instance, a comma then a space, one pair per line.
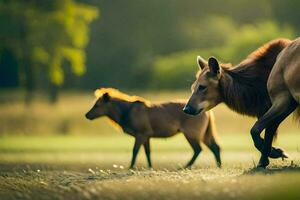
205, 90
107, 101
101, 107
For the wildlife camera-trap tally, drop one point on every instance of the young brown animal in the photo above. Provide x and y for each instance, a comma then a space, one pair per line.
243, 88
284, 90
144, 120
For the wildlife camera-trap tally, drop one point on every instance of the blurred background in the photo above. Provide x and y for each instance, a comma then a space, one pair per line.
54, 53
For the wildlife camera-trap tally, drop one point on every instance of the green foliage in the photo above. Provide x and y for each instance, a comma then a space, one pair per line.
130, 36
213, 30
250, 37
47, 36
177, 70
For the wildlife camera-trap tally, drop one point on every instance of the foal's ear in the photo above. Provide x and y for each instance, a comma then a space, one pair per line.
105, 97
201, 62
214, 66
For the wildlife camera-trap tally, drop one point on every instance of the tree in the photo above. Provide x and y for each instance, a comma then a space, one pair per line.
48, 34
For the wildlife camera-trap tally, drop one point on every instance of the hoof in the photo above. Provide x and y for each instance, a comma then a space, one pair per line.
263, 163
260, 167
132, 168
277, 152
189, 167
284, 155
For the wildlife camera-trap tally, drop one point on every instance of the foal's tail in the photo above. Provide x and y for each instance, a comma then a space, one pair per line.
211, 133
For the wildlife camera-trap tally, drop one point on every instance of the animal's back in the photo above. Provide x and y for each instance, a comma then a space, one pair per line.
168, 118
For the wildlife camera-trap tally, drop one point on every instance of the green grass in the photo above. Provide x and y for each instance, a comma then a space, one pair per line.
95, 167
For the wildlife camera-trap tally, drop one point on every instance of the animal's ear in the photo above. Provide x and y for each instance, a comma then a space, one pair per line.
105, 97
214, 66
201, 62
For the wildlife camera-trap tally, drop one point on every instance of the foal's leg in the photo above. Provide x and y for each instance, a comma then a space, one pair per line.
215, 148
147, 151
139, 140
195, 144
210, 141
280, 109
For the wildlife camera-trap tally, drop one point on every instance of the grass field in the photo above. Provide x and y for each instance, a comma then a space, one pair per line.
89, 160
76, 167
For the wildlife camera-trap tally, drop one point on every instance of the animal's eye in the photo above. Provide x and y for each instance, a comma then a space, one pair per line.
201, 88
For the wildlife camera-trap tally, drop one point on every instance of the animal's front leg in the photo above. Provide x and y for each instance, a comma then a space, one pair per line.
257, 140
139, 140
265, 148
275, 115
195, 144
275, 152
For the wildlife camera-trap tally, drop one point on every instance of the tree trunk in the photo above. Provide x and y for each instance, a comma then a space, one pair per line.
53, 93
29, 74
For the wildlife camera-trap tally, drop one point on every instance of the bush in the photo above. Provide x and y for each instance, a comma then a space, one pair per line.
177, 70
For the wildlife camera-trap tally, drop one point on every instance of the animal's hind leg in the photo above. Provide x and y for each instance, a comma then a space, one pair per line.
147, 151
195, 144
215, 148
280, 109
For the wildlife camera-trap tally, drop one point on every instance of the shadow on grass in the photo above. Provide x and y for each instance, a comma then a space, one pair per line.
273, 169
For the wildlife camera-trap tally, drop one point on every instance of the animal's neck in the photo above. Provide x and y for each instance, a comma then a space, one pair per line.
244, 87
120, 111
245, 91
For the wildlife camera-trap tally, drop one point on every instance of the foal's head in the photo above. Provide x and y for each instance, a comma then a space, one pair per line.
205, 90
100, 108
109, 102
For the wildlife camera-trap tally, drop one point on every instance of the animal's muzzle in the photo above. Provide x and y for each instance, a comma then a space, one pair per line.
88, 116
191, 110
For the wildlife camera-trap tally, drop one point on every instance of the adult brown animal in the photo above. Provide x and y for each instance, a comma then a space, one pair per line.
144, 120
243, 88
284, 90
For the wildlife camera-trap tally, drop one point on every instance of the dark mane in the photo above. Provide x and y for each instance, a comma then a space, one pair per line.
244, 86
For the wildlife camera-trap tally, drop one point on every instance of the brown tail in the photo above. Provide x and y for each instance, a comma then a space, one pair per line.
211, 139
211, 133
